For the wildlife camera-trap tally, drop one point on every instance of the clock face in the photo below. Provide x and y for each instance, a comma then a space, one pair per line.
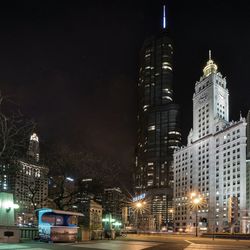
203, 97
220, 95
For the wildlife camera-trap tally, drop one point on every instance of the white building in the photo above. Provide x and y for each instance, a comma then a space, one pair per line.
248, 135
248, 168
213, 164
31, 184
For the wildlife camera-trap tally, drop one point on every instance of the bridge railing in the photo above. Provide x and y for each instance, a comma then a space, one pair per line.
29, 233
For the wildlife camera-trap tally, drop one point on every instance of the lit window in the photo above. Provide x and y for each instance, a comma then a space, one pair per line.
150, 128
166, 91
167, 97
166, 65
34, 137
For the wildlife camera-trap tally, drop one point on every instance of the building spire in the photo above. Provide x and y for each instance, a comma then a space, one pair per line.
211, 67
164, 17
33, 150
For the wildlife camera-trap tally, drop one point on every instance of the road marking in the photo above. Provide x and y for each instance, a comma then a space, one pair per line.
189, 242
20, 247
12, 246
112, 245
39, 248
194, 246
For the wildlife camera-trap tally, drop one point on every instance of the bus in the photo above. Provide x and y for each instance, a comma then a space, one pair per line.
57, 225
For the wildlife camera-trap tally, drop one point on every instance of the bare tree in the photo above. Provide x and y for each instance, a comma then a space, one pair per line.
63, 189
63, 193
67, 170
14, 131
33, 188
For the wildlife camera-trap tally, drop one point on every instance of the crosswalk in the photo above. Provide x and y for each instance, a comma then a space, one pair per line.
193, 246
6, 246
121, 245
102, 245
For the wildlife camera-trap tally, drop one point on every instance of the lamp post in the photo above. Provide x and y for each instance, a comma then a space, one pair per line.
139, 207
196, 201
108, 220
171, 218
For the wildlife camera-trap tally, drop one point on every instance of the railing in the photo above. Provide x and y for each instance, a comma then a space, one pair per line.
29, 233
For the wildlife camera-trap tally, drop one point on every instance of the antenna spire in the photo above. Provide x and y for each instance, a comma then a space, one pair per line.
164, 17
211, 67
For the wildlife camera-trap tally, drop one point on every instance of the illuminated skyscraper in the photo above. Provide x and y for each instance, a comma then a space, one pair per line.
33, 151
213, 164
248, 135
248, 160
31, 183
158, 133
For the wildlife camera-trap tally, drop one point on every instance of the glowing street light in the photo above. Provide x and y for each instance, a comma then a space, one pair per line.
8, 205
138, 204
170, 218
196, 201
193, 194
139, 207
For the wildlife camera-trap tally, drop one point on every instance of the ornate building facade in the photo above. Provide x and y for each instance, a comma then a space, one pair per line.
213, 164
31, 183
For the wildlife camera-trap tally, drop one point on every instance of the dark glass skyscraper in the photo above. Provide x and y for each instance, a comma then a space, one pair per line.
158, 120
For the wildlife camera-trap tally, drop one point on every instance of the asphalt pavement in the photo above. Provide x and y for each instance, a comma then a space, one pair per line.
91, 245
138, 242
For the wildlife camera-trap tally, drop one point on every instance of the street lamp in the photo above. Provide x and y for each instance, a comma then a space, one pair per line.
171, 217
196, 201
108, 220
139, 206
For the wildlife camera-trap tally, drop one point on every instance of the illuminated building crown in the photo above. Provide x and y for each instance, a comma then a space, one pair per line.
211, 67
33, 150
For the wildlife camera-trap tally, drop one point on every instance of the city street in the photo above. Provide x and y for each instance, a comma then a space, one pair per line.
138, 242
189, 242
92, 245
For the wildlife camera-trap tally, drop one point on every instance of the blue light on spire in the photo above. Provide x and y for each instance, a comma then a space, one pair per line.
164, 17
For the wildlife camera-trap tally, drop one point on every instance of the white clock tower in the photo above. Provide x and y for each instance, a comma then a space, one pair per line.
213, 164
210, 102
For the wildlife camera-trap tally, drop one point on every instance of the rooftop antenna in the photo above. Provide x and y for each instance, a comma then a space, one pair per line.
164, 17
209, 54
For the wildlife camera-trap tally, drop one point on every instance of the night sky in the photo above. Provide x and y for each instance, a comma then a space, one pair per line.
73, 65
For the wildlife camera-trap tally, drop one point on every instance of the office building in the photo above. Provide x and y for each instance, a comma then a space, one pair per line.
248, 163
213, 164
31, 183
113, 203
158, 133
248, 135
